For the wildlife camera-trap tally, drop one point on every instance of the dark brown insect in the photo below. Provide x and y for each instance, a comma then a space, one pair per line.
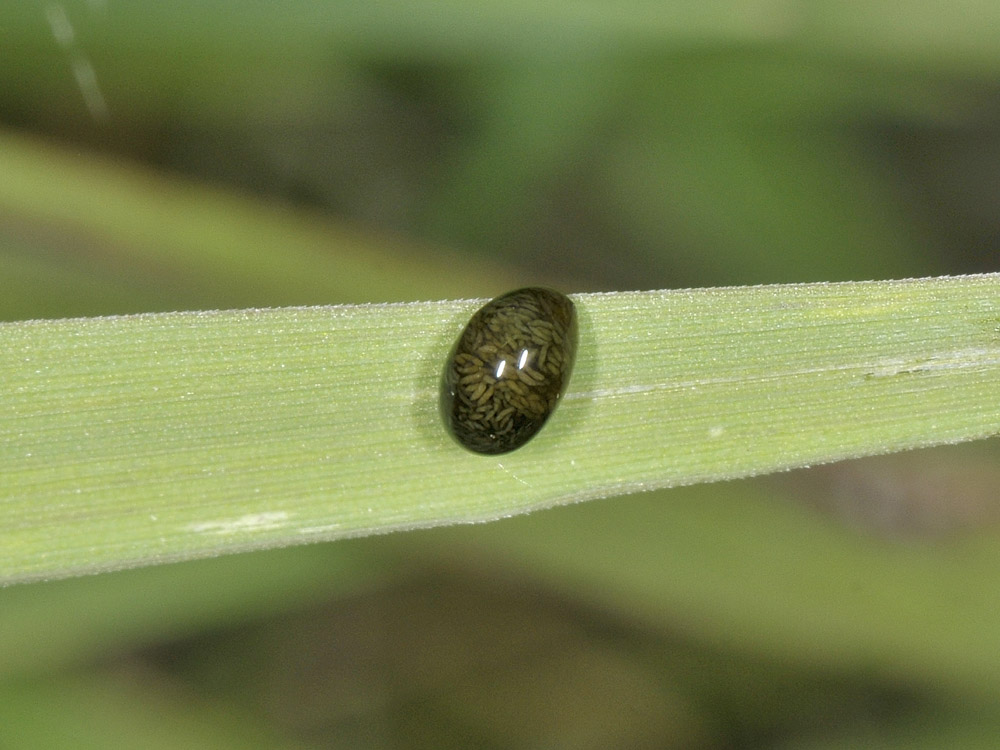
508, 369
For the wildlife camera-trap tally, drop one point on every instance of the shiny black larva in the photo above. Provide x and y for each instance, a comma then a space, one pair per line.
507, 370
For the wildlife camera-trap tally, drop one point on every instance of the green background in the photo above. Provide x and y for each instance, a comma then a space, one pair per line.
182, 156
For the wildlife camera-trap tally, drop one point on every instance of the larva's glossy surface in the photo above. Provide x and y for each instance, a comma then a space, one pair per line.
508, 369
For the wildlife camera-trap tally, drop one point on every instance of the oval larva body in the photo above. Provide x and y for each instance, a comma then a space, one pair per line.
508, 369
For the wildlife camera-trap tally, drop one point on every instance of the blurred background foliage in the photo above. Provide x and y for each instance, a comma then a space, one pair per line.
184, 155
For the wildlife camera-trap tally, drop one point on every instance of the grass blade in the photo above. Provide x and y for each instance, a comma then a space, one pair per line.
141, 439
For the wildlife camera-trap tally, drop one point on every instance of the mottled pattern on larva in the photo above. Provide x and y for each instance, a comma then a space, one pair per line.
508, 369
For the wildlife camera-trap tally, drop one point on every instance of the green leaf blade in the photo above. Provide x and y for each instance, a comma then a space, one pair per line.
143, 439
